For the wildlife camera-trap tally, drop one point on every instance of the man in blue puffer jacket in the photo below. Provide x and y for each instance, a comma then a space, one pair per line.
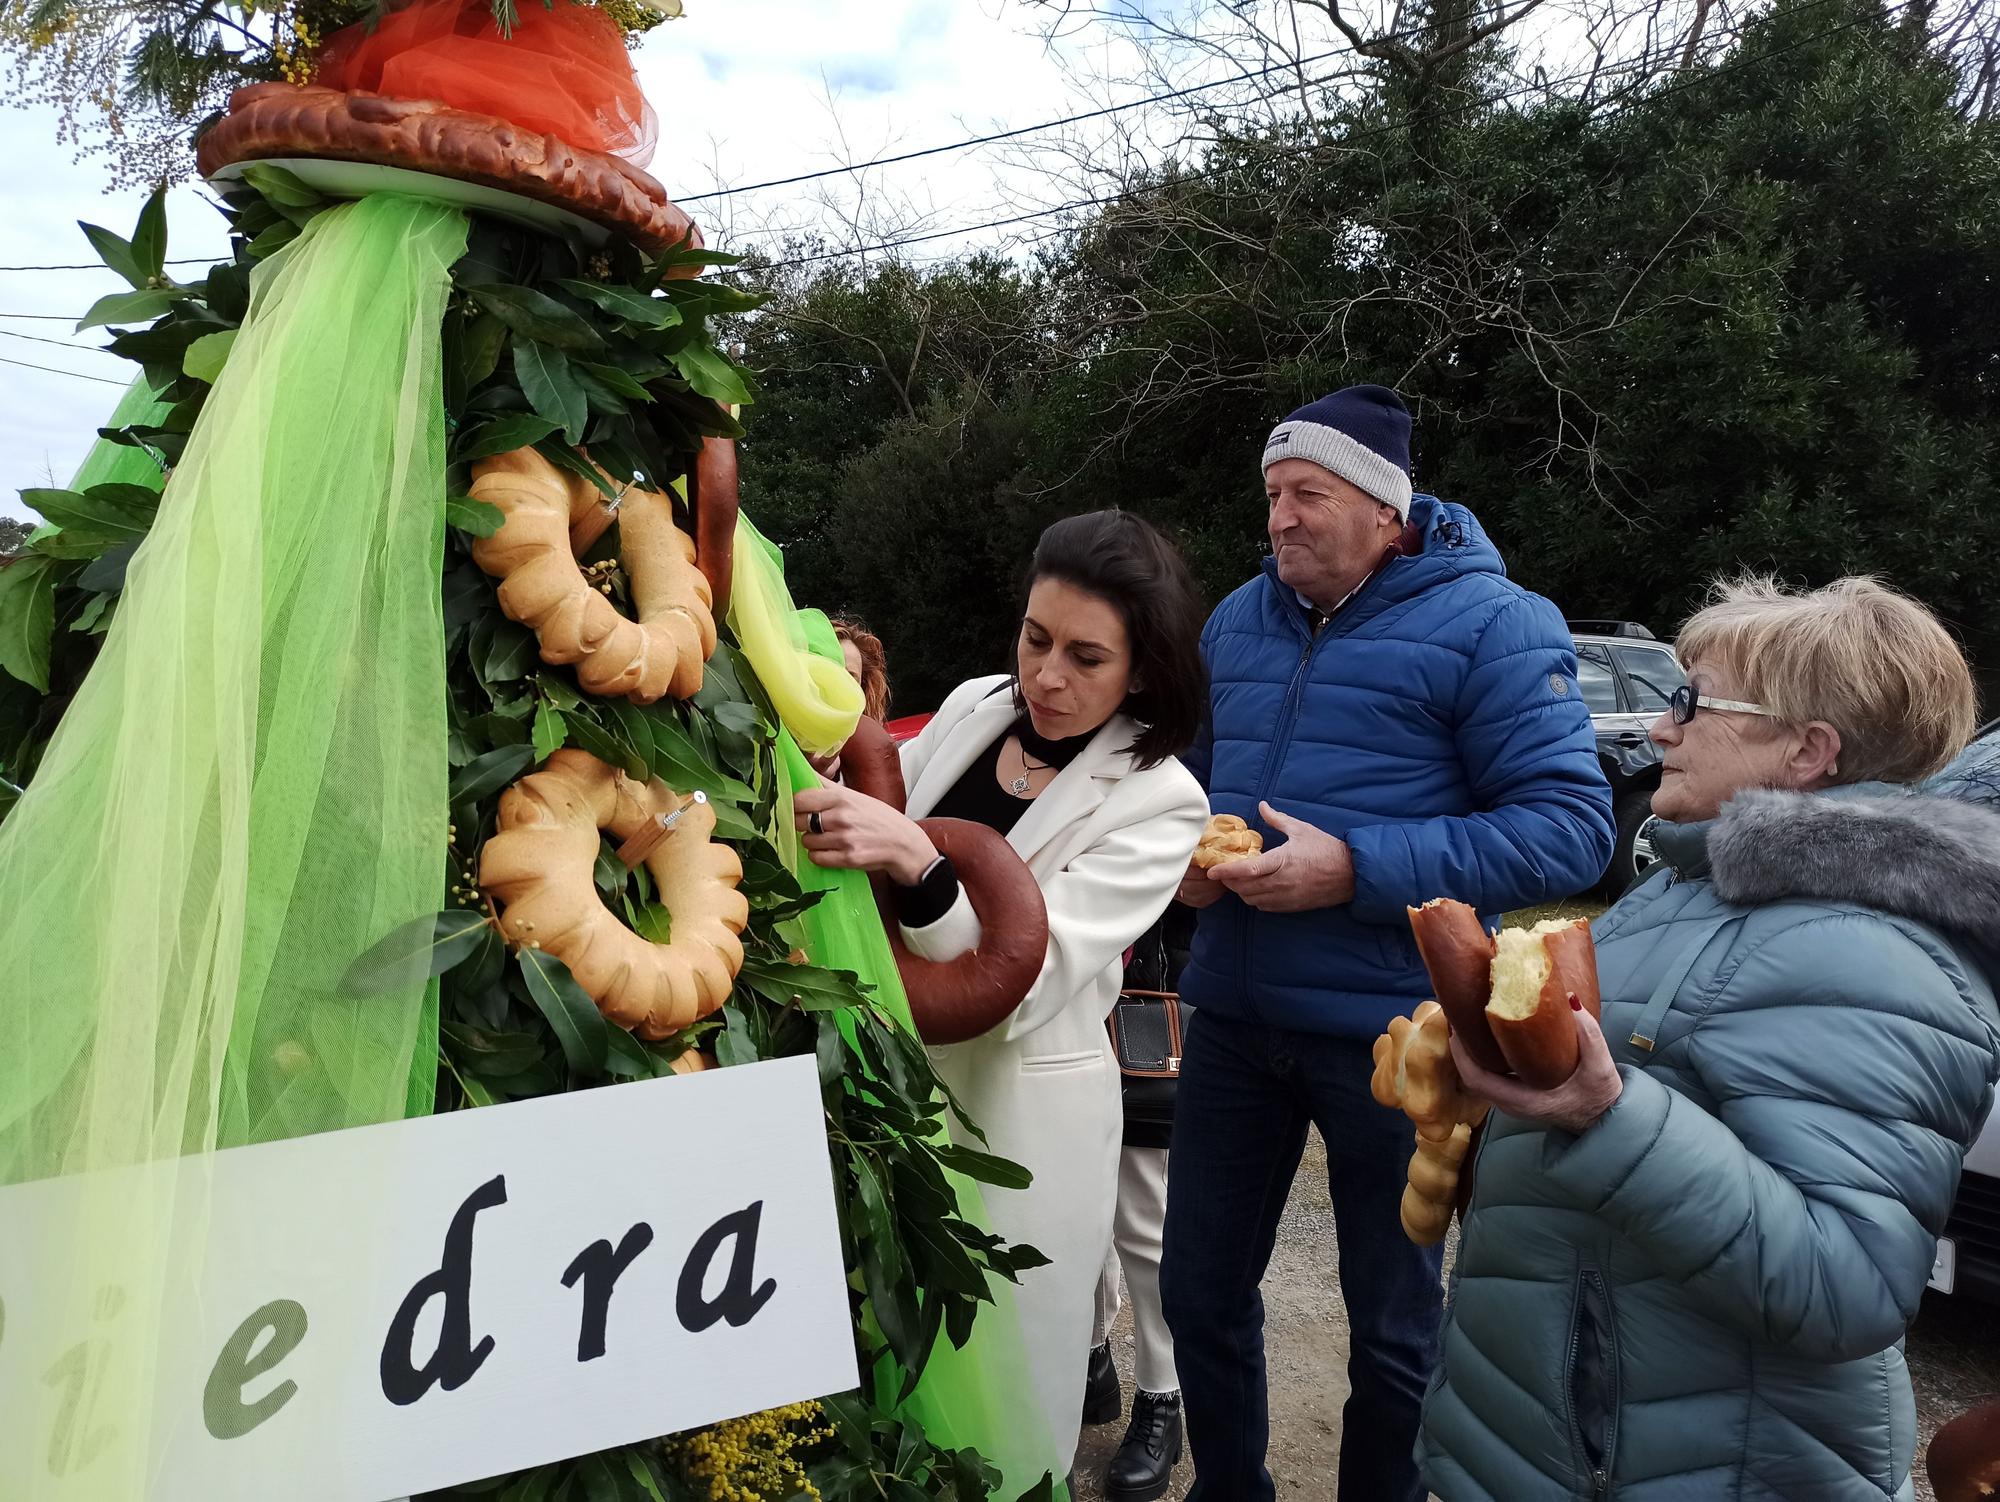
1402, 722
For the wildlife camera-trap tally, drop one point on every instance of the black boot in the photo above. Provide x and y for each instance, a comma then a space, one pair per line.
1102, 1401
1145, 1461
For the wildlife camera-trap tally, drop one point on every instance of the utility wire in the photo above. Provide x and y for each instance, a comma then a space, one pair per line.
73, 374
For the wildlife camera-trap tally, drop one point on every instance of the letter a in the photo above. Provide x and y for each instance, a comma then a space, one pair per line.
737, 1303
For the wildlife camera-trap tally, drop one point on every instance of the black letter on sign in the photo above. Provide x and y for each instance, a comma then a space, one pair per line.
599, 1266
241, 1363
737, 1303
456, 1358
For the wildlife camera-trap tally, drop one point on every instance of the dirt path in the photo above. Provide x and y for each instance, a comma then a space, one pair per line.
1954, 1352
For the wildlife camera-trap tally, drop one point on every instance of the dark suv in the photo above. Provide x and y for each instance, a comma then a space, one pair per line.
1626, 677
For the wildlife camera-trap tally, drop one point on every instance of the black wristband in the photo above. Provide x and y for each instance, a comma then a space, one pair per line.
931, 898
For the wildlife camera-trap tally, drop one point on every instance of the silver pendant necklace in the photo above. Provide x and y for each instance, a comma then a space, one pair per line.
1019, 786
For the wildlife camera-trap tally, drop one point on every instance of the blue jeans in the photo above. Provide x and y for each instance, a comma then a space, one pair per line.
1245, 1096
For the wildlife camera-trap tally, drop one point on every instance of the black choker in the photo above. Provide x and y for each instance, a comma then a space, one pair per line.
1050, 753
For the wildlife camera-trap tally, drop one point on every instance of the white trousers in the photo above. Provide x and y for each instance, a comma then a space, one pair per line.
1136, 1232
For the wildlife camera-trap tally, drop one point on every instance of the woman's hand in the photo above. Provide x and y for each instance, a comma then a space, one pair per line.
857, 833
1574, 1105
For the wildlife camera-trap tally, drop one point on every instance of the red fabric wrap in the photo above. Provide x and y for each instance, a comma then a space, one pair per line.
564, 71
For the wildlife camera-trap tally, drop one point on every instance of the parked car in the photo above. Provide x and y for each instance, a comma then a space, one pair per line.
907, 727
1968, 1254
1626, 677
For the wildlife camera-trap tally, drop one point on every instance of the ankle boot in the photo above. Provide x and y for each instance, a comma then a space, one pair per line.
1141, 1469
1102, 1401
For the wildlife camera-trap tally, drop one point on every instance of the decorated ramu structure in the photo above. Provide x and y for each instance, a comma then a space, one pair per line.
406, 721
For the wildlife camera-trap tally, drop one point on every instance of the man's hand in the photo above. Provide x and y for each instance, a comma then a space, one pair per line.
1311, 869
1198, 889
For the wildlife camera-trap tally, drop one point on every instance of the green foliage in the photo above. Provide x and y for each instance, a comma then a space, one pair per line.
549, 345
1743, 319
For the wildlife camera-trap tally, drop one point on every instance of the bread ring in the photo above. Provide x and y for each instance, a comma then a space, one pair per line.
540, 866
660, 653
1227, 838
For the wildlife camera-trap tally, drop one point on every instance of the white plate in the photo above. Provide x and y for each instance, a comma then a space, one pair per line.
1944, 1266
358, 179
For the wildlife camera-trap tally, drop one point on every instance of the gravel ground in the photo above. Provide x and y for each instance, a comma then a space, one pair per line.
1954, 1352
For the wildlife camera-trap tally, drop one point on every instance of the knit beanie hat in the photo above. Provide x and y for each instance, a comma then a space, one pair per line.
1361, 433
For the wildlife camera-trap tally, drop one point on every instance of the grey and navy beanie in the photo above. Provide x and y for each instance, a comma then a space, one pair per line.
1361, 433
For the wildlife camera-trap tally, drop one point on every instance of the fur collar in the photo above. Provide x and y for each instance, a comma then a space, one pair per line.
1932, 858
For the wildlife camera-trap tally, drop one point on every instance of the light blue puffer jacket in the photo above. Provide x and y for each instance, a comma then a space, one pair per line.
1703, 1297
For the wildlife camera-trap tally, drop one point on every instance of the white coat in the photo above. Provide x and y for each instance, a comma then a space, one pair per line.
1108, 844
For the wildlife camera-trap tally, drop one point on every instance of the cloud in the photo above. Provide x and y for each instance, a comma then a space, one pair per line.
744, 93
871, 75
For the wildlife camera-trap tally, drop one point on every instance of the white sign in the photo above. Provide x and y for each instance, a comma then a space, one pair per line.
397, 1308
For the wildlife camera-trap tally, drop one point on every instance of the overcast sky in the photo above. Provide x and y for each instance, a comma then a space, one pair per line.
742, 90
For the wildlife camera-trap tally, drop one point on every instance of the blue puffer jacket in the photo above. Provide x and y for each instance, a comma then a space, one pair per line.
1702, 1298
1435, 725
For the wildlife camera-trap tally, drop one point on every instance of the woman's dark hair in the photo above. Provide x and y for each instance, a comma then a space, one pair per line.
1125, 561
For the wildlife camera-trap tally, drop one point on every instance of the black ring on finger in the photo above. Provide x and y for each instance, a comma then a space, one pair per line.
813, 825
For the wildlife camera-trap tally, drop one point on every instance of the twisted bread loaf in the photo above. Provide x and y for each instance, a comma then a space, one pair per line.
1227, 838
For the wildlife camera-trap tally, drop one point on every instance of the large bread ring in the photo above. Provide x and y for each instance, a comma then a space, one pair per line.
662, 652
282, 120
540, 866
953, 1000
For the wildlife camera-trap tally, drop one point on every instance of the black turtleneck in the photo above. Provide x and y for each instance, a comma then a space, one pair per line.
980, 797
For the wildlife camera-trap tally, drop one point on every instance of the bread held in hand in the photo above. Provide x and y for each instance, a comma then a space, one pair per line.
1536, 973
1227, 838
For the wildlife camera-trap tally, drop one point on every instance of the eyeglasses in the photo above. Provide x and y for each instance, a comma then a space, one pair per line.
1686, 699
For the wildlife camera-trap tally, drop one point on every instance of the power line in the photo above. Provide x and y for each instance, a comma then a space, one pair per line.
100, 266
1028, 130
42, 317
73, 374
62, 343
1351, 138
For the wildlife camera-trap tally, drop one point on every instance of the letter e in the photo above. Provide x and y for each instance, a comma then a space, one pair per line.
241, 1363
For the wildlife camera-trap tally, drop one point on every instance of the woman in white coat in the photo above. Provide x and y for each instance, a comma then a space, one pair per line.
1071, 759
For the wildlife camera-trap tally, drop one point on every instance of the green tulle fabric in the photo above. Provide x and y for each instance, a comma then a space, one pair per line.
248, 790
981, 1394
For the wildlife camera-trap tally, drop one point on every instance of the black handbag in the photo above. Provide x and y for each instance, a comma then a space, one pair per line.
1146, 1032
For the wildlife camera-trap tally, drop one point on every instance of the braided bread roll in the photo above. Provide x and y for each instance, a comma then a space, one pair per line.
661, 652
540, 867
1430, 1196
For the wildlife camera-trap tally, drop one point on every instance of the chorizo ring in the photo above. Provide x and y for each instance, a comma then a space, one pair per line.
712, 497
954, 1000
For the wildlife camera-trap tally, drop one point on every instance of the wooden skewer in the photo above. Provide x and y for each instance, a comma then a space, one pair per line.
647, 840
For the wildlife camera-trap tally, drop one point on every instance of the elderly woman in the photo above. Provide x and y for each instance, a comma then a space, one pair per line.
1685, 1273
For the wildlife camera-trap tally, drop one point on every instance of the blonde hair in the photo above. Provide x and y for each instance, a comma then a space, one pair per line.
1865, 659
874, 664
